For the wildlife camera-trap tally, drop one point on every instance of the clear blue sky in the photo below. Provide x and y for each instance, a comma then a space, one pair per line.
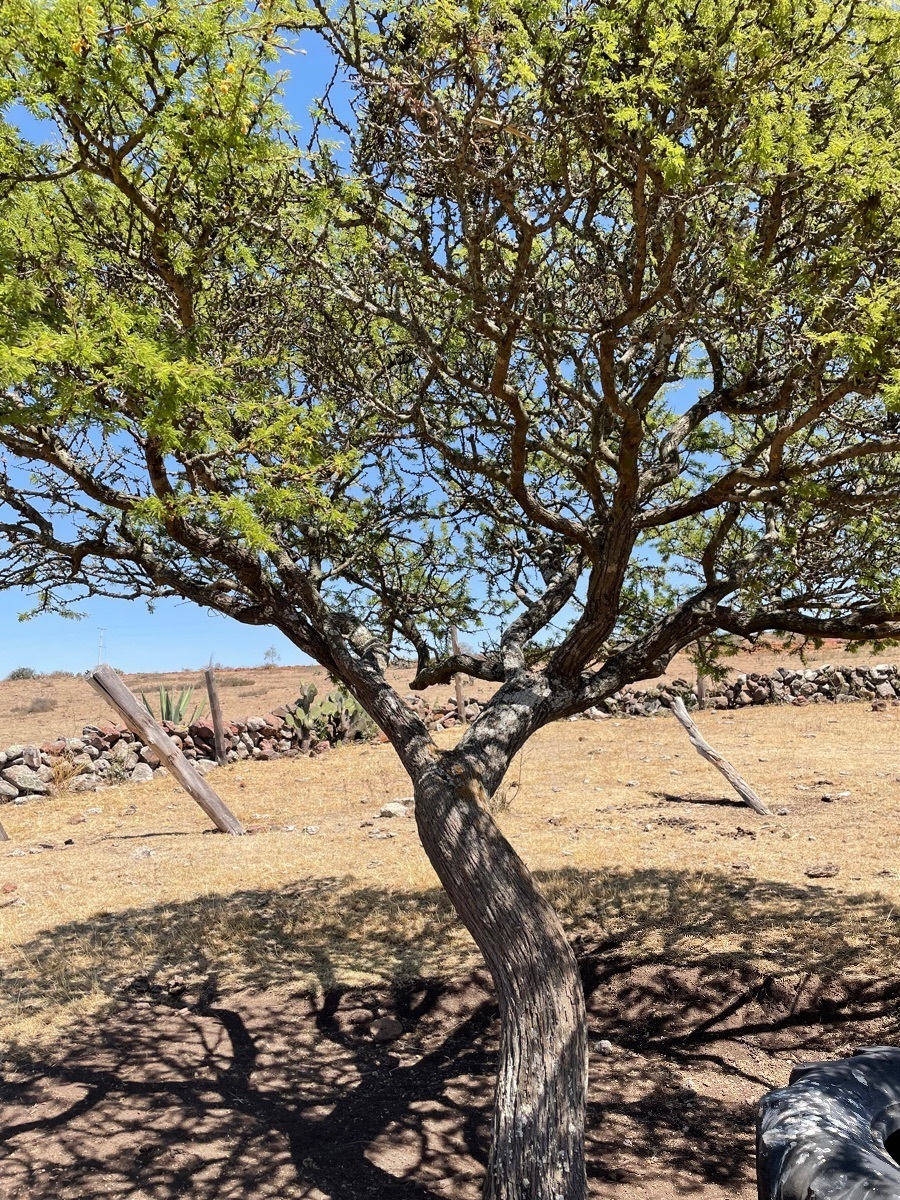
177, 634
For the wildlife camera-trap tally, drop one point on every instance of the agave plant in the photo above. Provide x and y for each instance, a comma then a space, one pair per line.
172, 708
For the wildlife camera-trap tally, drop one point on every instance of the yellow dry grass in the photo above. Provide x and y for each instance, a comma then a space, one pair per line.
616, 816
69, 703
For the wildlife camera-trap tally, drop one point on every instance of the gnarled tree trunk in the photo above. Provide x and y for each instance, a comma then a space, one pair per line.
537, 1144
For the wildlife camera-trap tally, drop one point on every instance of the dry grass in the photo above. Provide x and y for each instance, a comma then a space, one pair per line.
629, 828
34, 710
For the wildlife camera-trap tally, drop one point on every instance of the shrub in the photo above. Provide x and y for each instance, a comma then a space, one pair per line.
22, 673
42, 704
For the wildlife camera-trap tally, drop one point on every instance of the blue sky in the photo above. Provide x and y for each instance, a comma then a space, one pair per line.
177, 634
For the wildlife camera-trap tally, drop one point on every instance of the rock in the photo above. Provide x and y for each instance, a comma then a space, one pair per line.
83, 783
141, 773
13, 752
604, 1046
25, 780
394, 808
385, 1029
205, 765
149, 756
884, 691
7, 790
822, 871
830, 797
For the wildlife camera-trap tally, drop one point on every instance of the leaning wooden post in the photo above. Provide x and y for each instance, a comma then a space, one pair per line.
142, 725
457, 679
215, 709
4, 836
706, 751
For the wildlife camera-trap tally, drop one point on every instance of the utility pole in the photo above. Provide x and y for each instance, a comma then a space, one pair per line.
100, 647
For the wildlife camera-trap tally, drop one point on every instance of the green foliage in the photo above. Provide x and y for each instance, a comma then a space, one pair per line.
336, 719
605, 293
19, 673
172, 707
300, 715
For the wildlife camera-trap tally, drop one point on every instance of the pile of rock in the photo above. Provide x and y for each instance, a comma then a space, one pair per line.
108, 754
445, 715
785, 685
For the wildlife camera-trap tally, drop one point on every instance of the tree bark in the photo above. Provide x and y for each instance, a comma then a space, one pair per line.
537, 1137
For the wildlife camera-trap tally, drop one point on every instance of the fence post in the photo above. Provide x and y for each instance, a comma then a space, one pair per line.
457, 679
215, 709
705, 750
142, 725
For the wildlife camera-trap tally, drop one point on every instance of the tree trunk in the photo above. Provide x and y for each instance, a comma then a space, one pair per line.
537, 1143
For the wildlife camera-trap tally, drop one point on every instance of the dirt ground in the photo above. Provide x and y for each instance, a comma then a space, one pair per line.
58, 705
191, 1015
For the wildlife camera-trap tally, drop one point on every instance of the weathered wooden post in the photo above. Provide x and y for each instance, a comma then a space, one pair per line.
457, 679
4, 836
706, 751
215, 709
142, 725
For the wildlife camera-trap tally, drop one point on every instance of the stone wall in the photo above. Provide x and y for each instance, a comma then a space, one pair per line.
107, 754
785, 685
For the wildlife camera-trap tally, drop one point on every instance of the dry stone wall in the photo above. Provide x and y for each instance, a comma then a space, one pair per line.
785, 685
108, 754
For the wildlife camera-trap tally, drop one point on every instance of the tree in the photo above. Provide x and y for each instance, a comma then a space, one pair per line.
586, 325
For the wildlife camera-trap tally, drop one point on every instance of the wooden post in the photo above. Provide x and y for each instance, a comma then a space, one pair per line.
706, 751
215, 709
457, 679
701, 690
4, 836
142, 725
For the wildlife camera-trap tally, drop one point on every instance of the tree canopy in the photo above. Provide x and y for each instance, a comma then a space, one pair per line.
576, 320
591, 312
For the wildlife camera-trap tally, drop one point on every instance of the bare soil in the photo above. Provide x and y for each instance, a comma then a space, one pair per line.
277, 1094
187, 1014
59, 705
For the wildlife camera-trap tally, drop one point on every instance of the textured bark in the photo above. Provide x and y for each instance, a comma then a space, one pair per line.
705, 750
537, 1142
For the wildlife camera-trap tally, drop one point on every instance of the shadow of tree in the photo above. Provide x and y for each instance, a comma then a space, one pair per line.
214, 1075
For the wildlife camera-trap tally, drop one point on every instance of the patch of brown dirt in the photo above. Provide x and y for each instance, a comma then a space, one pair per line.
59, 704
264, 1095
